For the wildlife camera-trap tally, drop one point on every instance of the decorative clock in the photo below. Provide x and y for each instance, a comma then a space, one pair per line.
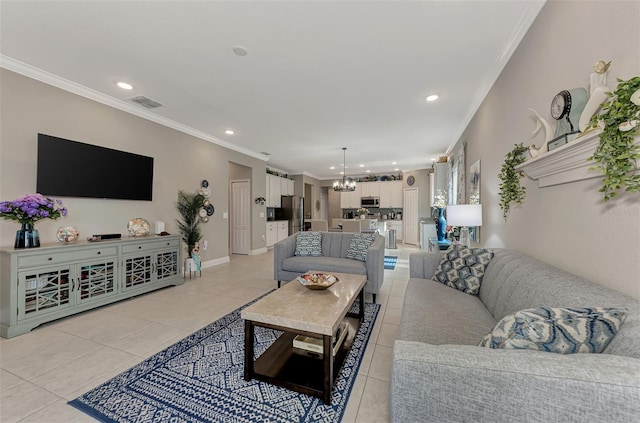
566, 108
411, 180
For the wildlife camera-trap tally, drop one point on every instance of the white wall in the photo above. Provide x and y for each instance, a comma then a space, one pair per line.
180, 162
567, 225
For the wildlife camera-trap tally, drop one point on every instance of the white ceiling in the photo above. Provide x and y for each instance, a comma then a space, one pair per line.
318, 76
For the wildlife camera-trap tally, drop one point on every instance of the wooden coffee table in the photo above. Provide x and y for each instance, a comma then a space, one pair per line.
297, 310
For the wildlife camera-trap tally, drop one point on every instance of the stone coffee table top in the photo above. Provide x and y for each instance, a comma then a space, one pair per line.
297, 307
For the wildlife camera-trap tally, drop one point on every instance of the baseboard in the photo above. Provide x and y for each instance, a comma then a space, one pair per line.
258, 251
215, 262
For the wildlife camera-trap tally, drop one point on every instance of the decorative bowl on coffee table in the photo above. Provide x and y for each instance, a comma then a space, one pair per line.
317, 280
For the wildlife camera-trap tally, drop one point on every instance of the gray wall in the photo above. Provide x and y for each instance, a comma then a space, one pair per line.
566, 225
181, 162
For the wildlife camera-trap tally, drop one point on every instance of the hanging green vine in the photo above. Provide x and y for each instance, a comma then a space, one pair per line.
617, 154
511, 191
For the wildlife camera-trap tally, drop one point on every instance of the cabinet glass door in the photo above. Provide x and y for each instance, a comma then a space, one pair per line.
43, 291
166, 265
96, 279
138, 271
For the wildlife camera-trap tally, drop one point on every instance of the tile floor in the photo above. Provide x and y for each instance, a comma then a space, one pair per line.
40, 371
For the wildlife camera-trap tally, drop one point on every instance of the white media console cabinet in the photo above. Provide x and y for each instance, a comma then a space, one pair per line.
39, 285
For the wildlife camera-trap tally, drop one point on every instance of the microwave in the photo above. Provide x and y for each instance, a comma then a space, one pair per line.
370, 202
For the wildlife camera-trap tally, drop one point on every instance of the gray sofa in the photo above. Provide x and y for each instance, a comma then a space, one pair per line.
439, 373
287, 266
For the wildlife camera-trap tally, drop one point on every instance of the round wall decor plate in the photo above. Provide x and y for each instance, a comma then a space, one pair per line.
210, 210
138, 227
206, 192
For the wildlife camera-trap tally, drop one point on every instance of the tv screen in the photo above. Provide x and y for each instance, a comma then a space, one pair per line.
74, 169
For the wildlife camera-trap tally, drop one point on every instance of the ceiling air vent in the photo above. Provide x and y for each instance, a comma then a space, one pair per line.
146, 102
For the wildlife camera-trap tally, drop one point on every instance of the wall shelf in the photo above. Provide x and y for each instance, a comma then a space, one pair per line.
565, 164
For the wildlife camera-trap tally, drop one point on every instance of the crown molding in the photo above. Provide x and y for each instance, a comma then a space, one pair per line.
530, 11
32, 72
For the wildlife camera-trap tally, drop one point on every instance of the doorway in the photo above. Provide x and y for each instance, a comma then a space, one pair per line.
240, 216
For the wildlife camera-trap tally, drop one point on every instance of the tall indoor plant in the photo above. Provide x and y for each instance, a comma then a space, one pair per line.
618, 153
188, 205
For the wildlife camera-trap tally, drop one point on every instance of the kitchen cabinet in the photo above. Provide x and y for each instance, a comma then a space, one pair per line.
391, 194
397, 226
371, 189
351, 199
53, 281
276, 231
276, 187
274, 191
286, 186
283, 229
272, 233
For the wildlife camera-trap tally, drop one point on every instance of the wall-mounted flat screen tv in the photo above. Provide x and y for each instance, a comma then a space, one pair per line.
73, 169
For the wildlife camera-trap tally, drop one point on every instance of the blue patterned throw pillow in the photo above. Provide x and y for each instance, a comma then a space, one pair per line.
462, 268
358, 246
308, 244
558, 330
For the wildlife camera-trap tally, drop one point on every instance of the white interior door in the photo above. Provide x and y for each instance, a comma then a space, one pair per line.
240, 217
324, 206
410, 216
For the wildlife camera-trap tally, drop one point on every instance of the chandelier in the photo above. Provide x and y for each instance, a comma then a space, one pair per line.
346, 184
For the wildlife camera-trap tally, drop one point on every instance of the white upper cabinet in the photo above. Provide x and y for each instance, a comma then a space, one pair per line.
391, 194
371, 189
351, 199
286, 186
275, 191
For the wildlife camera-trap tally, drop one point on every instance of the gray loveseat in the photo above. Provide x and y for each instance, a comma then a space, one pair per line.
287, 266
440, 375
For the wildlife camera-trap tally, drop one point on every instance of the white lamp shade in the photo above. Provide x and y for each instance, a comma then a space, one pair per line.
464, 215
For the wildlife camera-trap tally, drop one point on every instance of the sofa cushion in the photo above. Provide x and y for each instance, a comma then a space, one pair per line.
308, 244
462, 268
559, 330
436, 314
359, 244
303, 264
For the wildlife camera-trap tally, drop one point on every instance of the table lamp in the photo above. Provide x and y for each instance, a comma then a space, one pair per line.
464, 215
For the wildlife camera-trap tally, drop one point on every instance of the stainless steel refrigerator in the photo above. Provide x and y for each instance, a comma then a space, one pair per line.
292, 209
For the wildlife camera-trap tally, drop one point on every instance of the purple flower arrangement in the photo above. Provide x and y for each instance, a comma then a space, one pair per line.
31, 208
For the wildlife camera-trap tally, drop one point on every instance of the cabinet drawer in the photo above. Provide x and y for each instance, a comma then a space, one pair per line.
150, 246
71, 256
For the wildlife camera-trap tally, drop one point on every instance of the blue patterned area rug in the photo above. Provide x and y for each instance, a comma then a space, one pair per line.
390, 262
201, 379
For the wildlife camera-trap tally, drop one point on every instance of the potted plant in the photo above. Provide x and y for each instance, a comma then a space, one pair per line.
188, 205
27, 211
617, 153
511, 191
260, 201
362, 212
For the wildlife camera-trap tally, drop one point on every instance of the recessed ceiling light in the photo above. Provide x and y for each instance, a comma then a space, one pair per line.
229, 132
393, 163
341, 173
432, 97
125, 86
240, 50
396, 169
368, 171
332, 167
433, 159
361, 165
